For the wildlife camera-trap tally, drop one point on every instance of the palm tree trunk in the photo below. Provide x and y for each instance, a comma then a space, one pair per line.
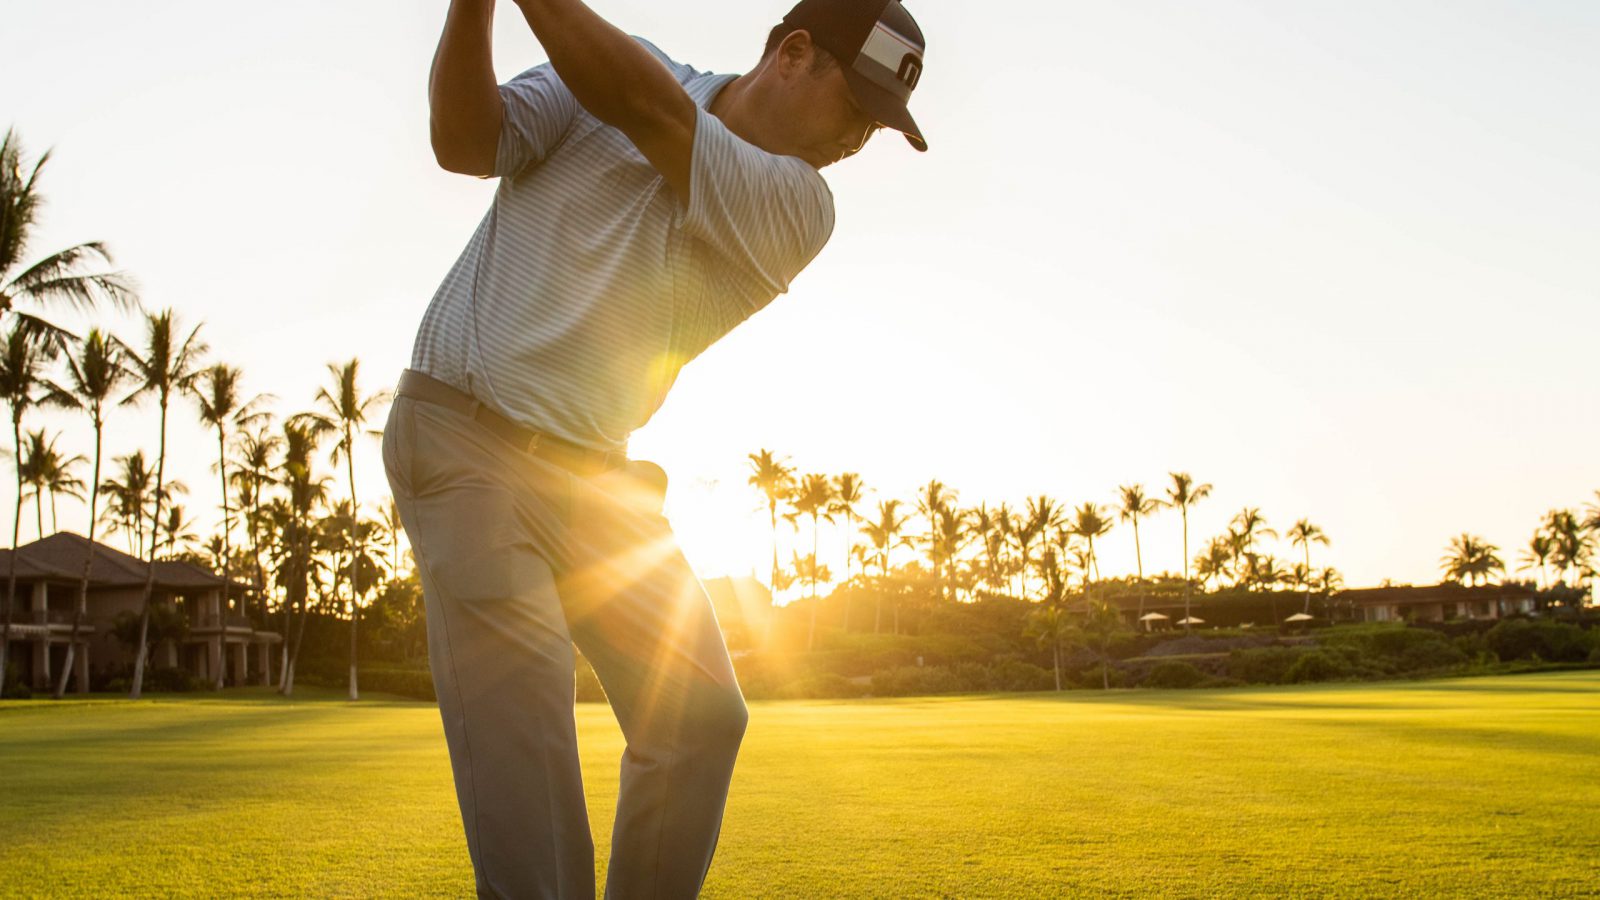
16, 533
255, 546
222, 476
811, 635
849, 553
1307, 610
355, 556
772, 513
1138, 559
1186, 615
1056, 656
150, 570
82, 608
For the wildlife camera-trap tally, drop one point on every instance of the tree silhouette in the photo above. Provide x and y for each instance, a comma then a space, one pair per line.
813, 498
1135, 504
164, 368
216, 393
848, 493
22, 358
1182, 494
1470, 558
773, 479
94, 373
344, 411
1303, 534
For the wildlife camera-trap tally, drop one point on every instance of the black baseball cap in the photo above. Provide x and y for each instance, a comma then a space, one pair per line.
878, 45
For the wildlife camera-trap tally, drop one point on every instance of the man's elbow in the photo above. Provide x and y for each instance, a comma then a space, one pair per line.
463, 157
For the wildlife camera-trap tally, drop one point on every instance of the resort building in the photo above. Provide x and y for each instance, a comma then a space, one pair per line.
49, 572
1438, 602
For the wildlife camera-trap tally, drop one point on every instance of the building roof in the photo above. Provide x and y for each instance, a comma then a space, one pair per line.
60, 557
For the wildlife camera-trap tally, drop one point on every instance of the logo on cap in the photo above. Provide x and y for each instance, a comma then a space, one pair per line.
889, 53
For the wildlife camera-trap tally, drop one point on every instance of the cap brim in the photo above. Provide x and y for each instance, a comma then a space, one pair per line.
884, 108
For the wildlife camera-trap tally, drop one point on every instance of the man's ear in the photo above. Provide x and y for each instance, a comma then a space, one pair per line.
795, 53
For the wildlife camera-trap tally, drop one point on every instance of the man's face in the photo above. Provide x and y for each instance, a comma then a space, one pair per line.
828, 123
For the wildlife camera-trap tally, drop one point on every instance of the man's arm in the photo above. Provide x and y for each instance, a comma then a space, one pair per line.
464, 105
619, 82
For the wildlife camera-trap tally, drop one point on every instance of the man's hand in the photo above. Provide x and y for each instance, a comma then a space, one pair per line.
464, 106
619, 82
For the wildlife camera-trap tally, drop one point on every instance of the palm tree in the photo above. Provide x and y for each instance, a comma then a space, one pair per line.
255, 454
1214, 562
885, 535
392, 529
23, 387
848, 493
1304, 534
1470, 558
1090, 523
931, 502
949, 534
345, 411
1182, 494
1043, 516
46, 472
166, 367
1134, 505
296, 538
773, 479
58, 278
813, 498
1050, 626
1264, 572
1571, 549
93, 375
177, 533
130, 497
216, 393
1540, 547
1102, 625
992, 530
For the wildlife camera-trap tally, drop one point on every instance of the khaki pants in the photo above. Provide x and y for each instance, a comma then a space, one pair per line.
519, 560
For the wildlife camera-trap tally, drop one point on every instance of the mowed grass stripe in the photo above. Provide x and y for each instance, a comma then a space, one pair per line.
1469, 787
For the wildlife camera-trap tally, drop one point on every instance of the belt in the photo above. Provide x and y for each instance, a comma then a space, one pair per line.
575, 458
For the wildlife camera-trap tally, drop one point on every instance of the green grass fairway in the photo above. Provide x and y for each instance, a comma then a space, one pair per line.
1480, 787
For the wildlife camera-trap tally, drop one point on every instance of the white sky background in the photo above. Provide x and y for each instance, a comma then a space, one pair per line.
1337, 259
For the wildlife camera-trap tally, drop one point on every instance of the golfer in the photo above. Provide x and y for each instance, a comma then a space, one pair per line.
644, 209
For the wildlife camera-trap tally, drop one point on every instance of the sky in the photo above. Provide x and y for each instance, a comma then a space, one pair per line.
1337, 260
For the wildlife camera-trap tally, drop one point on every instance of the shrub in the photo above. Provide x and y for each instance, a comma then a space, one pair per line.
1262, 665
173, 681
414, 683
1093, 677
1016, 675
1319, 665
908, 680
822, 687
1530, 638
1433, 655
1173, 674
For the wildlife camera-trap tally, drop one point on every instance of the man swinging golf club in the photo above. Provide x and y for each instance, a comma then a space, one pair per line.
644, 209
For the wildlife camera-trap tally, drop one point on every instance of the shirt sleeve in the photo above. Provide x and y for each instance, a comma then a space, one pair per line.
539, 110
763, 215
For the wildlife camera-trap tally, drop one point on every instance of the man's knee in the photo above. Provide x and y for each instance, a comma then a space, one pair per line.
721, 717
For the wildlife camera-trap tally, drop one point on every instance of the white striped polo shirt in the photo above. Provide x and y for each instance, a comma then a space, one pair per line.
588, 285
